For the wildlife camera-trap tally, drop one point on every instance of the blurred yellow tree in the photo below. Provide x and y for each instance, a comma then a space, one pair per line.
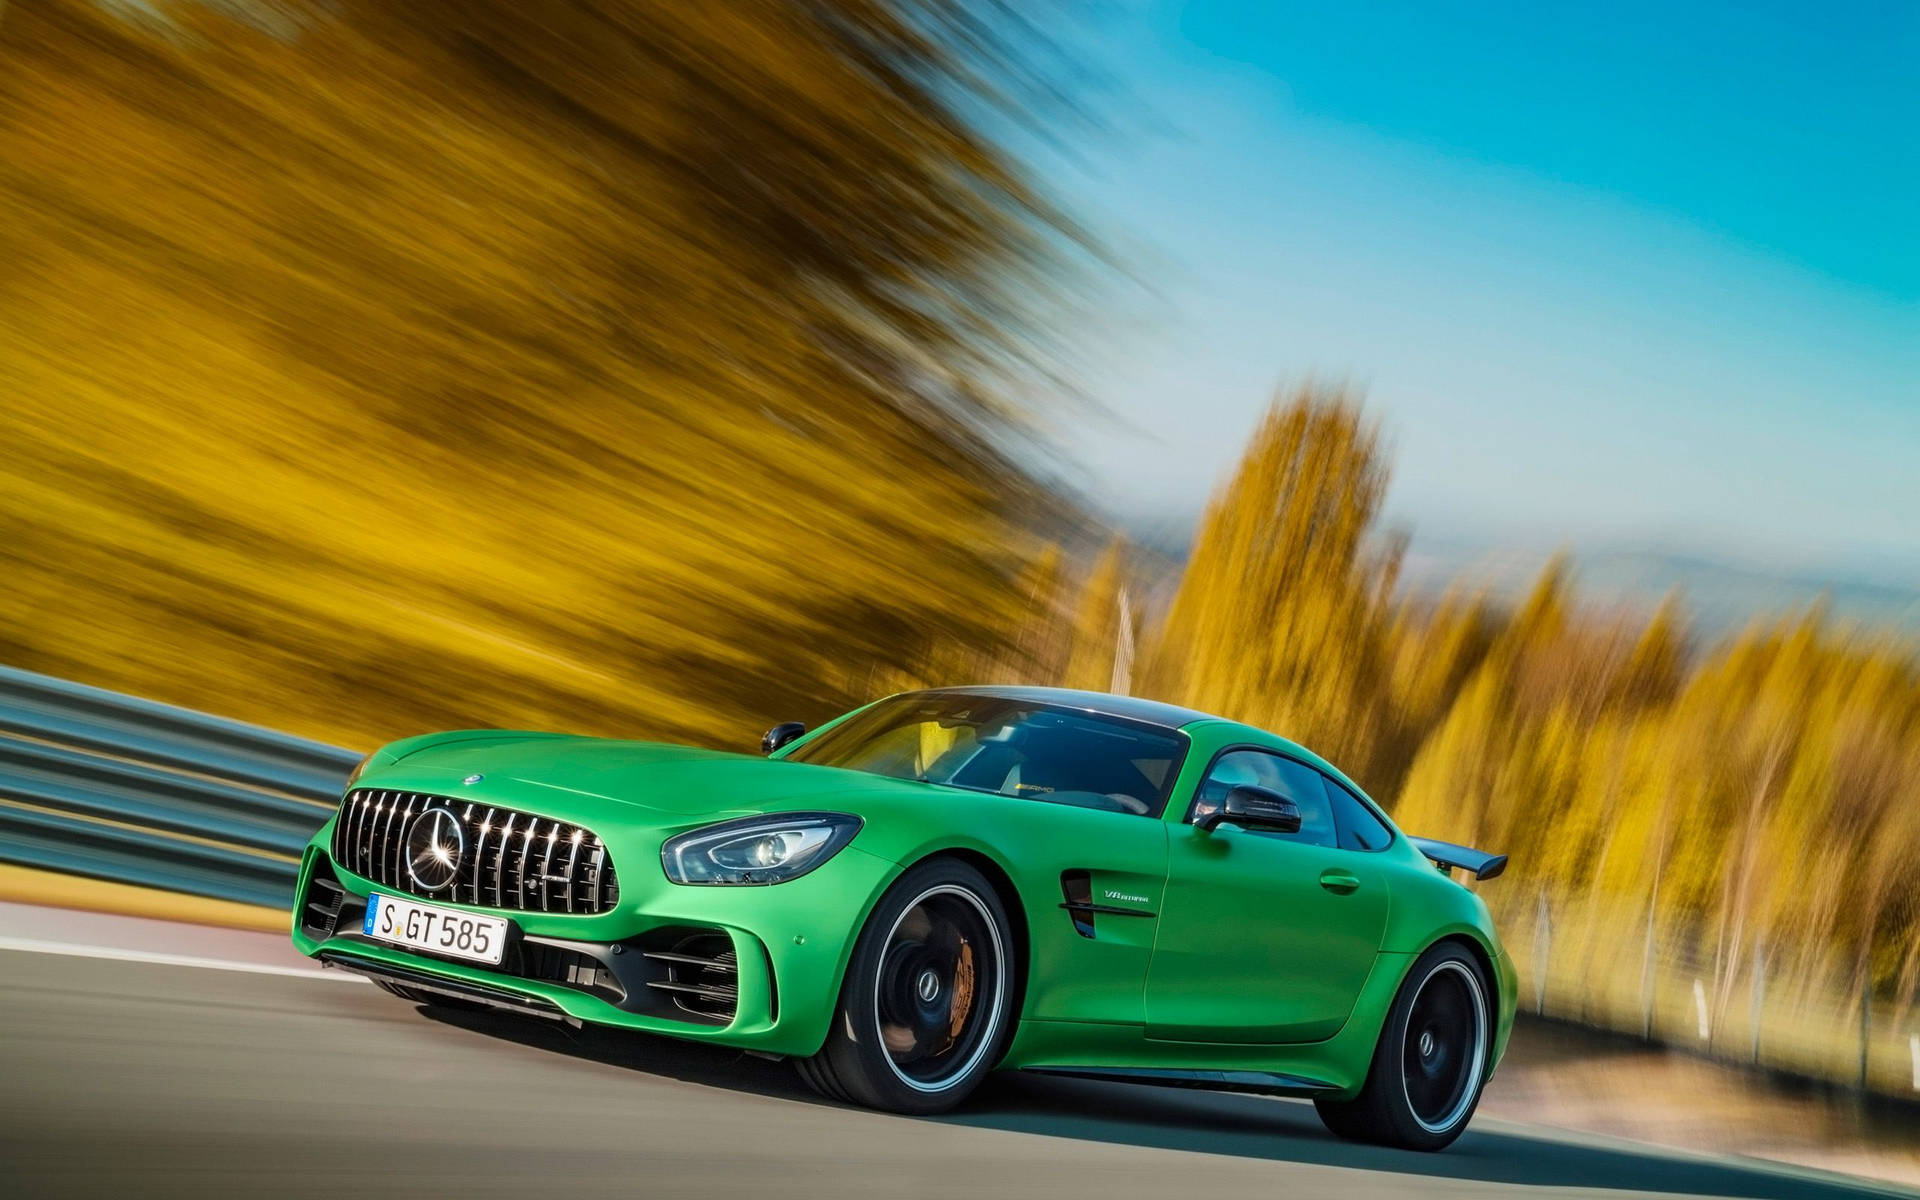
1758, 797
625, 366
1283, 611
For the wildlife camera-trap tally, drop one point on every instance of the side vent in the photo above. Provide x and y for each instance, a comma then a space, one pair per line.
1077, 887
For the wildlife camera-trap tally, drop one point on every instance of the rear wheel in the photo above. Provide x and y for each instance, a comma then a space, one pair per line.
925, 1010
1431, 1061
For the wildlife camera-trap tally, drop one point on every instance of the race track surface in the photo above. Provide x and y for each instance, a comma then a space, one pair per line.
145, 1078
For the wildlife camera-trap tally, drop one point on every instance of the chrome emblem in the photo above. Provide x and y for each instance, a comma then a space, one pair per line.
472, 779
436, 842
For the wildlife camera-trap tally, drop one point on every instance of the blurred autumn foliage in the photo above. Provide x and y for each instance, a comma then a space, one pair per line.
644, 367
660, 370
1714, 804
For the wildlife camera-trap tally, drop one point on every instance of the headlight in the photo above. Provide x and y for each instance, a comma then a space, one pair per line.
757, 850
359, 769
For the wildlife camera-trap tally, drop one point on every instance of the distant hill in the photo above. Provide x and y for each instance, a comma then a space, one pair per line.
1720, 594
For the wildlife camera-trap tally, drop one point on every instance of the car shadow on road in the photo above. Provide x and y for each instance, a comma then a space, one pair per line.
1253, 1127
1289, 1131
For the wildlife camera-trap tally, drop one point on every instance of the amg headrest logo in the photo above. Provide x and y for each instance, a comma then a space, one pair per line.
1113, 895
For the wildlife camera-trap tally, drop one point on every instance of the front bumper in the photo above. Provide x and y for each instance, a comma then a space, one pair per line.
789, 946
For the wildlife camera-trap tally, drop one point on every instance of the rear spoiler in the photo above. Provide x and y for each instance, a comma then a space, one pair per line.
1447, 856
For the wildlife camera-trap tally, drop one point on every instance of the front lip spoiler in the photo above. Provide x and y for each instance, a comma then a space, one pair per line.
459, 989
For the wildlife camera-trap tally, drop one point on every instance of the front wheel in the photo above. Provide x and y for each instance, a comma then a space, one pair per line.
1431, 1060
925, 1010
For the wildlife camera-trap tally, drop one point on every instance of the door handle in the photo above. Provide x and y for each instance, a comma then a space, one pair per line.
1339, 882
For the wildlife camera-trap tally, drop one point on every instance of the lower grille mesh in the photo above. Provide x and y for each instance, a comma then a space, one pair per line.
509, 859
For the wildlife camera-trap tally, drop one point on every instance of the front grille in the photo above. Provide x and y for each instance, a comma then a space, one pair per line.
511, 859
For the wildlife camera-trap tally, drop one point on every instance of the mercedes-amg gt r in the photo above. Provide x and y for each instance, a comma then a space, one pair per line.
932, 887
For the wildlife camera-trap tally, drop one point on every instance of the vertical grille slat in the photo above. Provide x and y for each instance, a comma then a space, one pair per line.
361, 831
573, 864
369, 827
381, 851
500, 863
470, 826
480, 852
400, 841
377, 836
390, 802
370, 836
600, 876
526, 861
546, 868
343, 831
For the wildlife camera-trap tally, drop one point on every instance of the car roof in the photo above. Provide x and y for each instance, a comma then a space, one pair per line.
1131, 708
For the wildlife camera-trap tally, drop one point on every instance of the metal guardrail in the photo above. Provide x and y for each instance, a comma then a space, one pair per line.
96, 783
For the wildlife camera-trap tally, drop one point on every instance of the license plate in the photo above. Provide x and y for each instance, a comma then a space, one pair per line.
441, 930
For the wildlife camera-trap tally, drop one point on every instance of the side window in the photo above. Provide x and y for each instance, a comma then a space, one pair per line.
1296, 781
1359, 828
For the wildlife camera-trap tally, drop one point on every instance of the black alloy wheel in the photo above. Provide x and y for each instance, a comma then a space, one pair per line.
936, 985
926, 1008
1442, 1053
1430, 1063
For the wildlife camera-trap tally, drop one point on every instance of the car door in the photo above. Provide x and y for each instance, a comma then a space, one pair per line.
1263, 937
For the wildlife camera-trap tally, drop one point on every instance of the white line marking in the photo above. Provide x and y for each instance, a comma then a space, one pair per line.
74, 950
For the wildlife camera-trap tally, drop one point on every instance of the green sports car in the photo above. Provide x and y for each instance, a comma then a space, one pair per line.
934, 886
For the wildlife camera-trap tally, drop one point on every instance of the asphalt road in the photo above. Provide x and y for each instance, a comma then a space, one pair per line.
137, 1079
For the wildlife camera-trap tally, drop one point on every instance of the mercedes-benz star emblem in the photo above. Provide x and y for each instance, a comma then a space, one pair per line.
436, 843
472, 779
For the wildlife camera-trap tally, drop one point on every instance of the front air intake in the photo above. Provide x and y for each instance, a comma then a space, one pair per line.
320, 910
701, 974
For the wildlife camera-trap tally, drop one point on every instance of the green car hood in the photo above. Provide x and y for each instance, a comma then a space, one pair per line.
584, 777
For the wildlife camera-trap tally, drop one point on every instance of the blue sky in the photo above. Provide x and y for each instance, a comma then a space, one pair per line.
1643, 276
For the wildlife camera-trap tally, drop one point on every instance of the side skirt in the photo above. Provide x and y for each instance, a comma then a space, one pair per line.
1264, 1083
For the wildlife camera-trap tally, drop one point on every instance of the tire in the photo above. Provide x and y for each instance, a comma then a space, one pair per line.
1431, 1061
926, 1009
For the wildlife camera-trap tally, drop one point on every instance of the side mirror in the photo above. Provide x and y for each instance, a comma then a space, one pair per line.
780, 735
1254, 807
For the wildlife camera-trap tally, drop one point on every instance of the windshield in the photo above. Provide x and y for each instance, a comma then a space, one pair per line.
1009, 747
